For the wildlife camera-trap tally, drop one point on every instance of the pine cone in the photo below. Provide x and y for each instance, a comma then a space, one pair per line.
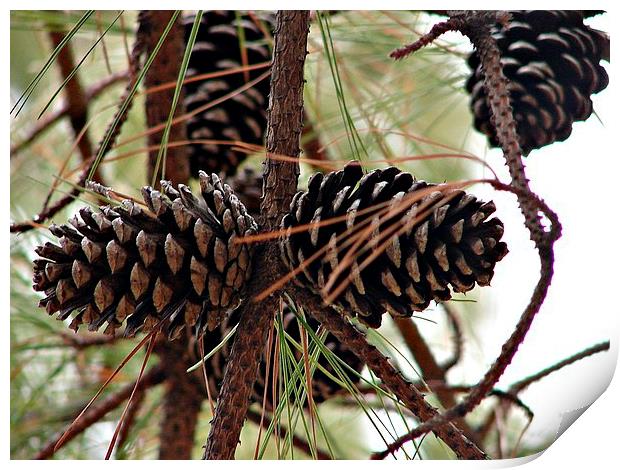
553, 63
221, 38
323, 386
178, 262
443, 240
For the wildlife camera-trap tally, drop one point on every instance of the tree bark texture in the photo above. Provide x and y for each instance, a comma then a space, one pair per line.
285, 123
165, 69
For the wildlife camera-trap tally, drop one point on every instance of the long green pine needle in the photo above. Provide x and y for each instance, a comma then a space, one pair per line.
35, 81
74, 71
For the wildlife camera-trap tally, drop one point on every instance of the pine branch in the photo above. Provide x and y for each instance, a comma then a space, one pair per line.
519, 386
96, 412
284, 127
75, 97
508, 396
381, 367
478, 30
476, 26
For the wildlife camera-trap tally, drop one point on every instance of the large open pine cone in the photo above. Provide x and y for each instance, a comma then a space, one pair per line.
179, 261
444, 240
323, 386
227, 40
553, 63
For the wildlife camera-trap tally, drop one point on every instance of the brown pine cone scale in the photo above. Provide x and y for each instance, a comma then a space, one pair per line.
552, 61
440, 240
227, 40
178, 260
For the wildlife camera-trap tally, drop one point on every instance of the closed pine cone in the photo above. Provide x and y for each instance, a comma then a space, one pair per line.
177, 261
443, 240
552, 62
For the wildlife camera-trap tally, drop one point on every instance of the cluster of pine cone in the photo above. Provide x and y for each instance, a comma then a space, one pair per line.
381, 241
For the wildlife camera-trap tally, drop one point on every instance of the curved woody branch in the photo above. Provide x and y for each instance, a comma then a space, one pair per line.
476, 26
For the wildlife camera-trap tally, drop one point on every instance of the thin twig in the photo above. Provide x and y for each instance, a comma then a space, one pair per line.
98, 411
57, 114
80, 342
436, 31
45, 214
458, 338
508, 396
75, 97
518, 387
432, 372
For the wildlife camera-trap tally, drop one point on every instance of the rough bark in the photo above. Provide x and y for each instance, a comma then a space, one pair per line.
279, 184
285, 117
165, 69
